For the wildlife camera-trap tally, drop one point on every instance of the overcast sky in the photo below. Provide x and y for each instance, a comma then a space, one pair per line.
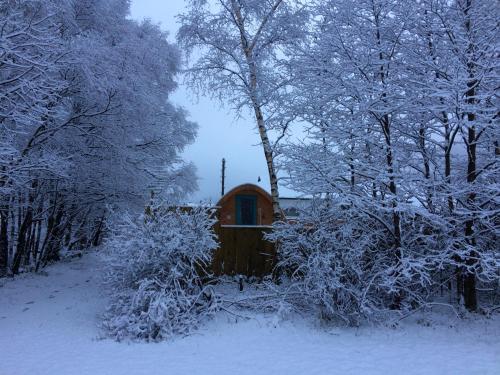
220, 134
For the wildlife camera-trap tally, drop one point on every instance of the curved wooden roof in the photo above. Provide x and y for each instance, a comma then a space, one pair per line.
244, 188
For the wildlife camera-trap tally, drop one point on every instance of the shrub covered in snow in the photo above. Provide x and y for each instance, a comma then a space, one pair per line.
155, 268
342, 261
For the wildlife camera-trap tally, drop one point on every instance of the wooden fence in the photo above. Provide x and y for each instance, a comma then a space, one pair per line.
244, 251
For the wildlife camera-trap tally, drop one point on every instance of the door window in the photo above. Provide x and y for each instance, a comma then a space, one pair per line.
246, 210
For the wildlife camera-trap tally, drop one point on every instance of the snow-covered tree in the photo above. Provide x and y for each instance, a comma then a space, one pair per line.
454, 79
155, 271
85, 122
470, 45
399, 98
237, 48
354, 64
30, 57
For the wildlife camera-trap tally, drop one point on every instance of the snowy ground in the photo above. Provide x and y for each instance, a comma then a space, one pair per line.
48, 325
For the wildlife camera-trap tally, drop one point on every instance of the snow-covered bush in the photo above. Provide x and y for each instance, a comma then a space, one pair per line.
317, 270
344, 262
155, 272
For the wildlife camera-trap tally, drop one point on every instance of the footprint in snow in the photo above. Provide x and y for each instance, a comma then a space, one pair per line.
26, 309
30, 303
52, 296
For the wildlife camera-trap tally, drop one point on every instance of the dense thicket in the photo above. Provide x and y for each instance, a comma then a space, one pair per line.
156, 267
400, 102
85, 122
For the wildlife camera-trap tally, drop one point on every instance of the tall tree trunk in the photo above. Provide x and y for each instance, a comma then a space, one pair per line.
351, 161
271, 169
253, 87
470, 296
55, 238
449, 138
96, 238
386, 125
36, 245
385, 122
392, 186
4, 230
429, 196
4, 241
12, 229
22, 239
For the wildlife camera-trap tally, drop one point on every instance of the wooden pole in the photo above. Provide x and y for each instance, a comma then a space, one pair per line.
223, 176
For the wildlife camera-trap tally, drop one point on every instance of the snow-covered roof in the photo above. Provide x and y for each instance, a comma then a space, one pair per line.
293, 206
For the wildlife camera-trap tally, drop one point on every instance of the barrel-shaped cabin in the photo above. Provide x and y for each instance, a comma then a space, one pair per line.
248, 205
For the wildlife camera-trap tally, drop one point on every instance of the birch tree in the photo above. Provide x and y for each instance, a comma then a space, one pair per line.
237, 49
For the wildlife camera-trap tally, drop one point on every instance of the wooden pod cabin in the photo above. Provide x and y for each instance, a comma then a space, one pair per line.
247, 205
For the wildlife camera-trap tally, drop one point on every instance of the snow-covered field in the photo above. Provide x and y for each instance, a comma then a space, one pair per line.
48, 326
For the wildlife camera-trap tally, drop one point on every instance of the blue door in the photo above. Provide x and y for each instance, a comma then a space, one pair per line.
246, 210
